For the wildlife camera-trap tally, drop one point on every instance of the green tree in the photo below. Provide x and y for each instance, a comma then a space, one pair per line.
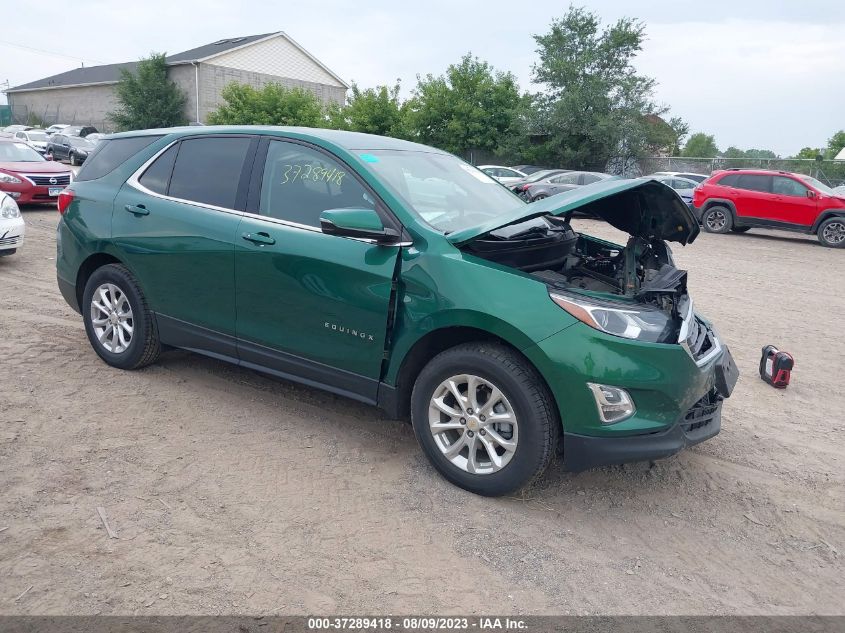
147, 98
373, 110
734, 152
595, 106
835, 144
810, 152
470, 108
701, 145
272, 104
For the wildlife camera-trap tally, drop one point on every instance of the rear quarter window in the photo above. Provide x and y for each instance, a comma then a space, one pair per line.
111, 154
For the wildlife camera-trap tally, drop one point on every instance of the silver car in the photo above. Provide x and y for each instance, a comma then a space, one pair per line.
559, 183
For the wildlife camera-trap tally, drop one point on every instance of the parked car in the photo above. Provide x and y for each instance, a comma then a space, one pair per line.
27, 176
79, 130
528, 169
73, 149
11, 129
516, 187
95, 137
553, 185
684, 186
741, 199
839, 191
489, 322
12, 226
505, 175
36, 139
681, 174
56, 127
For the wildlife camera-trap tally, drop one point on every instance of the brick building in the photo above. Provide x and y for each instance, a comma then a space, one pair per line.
87, 95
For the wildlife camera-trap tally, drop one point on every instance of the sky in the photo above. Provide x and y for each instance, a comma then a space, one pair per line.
754, 73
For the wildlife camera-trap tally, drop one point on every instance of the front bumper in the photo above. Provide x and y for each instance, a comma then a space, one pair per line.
700, 423
12, 232
667, 382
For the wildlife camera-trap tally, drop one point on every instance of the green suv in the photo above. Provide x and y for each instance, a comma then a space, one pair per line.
398, 275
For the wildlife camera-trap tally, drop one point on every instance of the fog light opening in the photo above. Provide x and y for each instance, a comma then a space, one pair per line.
614, 404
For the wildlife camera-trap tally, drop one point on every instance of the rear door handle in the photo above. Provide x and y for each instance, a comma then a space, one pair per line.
258, 238
137, 209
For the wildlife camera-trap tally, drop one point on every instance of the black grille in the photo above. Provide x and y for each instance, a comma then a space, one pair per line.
62, 180
702, 413
700, 340
8, 241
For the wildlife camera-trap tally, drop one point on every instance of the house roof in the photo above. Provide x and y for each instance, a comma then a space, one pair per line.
110, 73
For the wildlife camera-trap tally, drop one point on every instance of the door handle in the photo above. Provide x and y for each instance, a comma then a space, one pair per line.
258, 238
137, 209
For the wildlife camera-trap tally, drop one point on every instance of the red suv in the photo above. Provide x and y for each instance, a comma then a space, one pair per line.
741, 199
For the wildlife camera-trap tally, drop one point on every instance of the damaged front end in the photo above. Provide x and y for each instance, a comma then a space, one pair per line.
633, 291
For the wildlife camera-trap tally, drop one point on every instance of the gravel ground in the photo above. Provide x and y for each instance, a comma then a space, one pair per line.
233, 493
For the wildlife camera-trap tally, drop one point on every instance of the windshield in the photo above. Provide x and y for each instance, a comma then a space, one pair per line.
444, 191
818, 185
36, 136
18, 153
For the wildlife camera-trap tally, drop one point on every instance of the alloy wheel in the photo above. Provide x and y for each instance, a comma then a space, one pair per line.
716, 220
834, 233
111, 318
473, 424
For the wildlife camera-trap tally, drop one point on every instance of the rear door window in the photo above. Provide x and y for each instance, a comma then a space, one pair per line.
111, 154
755, 182
567, 179
208, 170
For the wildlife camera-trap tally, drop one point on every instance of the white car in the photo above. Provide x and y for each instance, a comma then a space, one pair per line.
689, 175
504, 175
12, 227
36, 139
56, 127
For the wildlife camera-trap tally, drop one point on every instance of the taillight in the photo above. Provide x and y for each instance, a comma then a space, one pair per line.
65, 198
525, 187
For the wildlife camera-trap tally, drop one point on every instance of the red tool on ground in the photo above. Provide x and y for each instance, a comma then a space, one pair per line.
776, 367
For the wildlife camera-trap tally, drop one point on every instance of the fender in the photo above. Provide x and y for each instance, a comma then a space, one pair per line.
824, 215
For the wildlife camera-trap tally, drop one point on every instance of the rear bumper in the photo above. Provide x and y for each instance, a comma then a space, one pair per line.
700, 423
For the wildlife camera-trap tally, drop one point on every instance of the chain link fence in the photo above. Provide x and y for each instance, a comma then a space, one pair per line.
831, 172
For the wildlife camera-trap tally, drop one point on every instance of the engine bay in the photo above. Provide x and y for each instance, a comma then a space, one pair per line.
549, 249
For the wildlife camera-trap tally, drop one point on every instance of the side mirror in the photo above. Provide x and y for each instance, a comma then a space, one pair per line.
811, 193
360, 223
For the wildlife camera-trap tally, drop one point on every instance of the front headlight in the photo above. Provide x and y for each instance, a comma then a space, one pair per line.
9, 179
641, 323
9, 208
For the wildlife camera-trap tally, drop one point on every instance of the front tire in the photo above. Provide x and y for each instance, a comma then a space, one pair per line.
484, 418
831, 233
119, 324
717, 219
539, 196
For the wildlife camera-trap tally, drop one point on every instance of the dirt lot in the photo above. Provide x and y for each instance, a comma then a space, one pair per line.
234, 493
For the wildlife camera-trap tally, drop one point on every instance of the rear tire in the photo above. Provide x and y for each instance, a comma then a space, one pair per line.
717, 219
119, 324
527, 443
831, 232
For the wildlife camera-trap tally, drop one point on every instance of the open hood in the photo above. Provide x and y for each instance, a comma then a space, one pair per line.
642, 208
